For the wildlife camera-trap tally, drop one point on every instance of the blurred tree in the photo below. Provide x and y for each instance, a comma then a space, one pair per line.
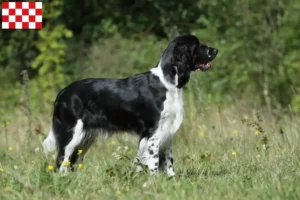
258, 41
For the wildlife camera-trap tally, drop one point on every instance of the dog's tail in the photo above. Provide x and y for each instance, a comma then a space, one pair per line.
49, 143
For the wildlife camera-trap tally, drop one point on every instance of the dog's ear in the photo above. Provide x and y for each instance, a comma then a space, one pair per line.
192, 49
181, 53
181, 61
180, 48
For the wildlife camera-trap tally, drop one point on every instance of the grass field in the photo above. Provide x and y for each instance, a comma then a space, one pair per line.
232, 154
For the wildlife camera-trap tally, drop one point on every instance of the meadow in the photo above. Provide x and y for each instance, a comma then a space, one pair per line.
238, 152
240, 135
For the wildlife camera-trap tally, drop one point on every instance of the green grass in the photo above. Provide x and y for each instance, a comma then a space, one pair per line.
204, 164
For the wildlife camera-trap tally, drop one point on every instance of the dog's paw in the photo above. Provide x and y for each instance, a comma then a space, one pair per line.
171, 173
63, 170
139, 168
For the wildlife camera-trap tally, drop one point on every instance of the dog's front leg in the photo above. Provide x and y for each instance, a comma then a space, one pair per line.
148, 153
166, 160
153, 151
168, 165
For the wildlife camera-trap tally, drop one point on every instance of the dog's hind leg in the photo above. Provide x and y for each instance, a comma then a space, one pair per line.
81, 150
138, 160
71, 147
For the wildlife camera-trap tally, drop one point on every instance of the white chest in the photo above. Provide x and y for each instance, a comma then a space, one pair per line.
172, 115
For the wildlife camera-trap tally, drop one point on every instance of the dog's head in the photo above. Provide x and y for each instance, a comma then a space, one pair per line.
184, 55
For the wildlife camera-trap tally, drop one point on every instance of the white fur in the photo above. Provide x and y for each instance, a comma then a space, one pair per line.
78, 137
49, 143
173, 112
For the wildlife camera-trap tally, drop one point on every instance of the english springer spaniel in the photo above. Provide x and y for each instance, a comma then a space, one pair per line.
149, 104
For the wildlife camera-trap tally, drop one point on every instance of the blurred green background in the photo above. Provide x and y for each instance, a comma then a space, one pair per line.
240, 135
258, 42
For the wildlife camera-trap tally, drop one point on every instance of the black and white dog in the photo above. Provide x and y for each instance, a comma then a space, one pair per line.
149, 104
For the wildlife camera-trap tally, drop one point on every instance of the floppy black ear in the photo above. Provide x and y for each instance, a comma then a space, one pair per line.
182, 56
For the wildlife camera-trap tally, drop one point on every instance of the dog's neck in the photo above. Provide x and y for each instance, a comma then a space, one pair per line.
169, 82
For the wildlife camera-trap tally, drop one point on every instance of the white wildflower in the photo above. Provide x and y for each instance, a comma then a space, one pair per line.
145, 184
119, 148
116, 156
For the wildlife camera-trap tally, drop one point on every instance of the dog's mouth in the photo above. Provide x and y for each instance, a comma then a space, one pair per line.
203, 67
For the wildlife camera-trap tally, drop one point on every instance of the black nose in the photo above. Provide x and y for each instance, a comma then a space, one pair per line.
212, 51
215, 51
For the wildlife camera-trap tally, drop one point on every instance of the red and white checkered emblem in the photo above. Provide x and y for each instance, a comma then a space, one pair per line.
22, 15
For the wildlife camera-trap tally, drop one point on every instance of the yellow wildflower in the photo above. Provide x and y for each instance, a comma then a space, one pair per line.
284, 150
201, 134
80, 166
233, 153
112, 143
119, 192
67, 163
79, 151
1, 170
50, 168
10, 148
246, 117
256, 132
234, 131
